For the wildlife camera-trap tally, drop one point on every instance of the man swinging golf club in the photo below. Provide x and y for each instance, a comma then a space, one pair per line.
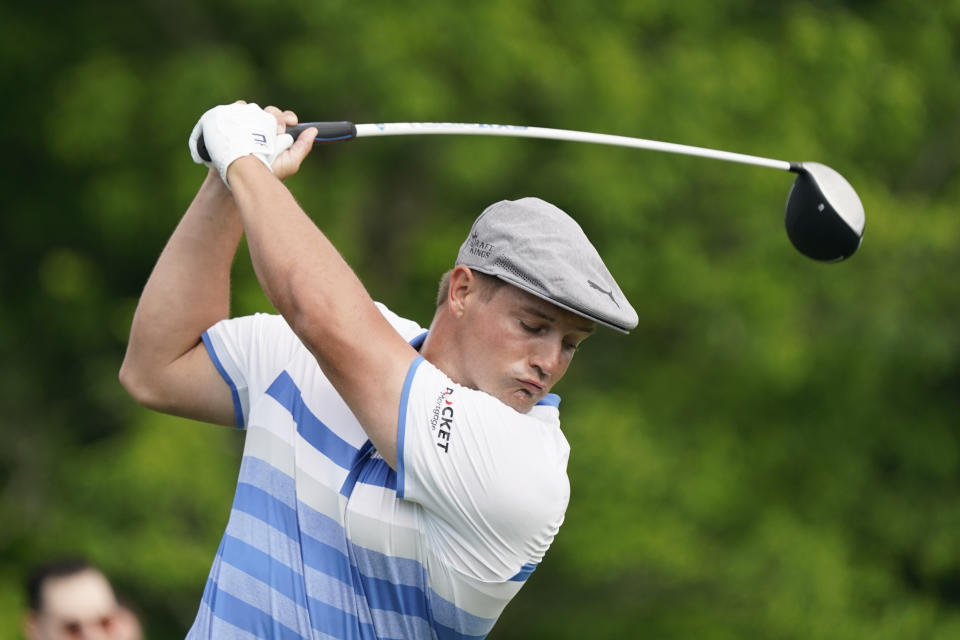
395, 482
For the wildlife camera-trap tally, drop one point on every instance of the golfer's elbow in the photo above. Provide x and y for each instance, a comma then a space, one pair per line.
138, 382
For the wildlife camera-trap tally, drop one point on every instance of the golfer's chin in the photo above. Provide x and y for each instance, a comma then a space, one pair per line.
519, 397
522, 400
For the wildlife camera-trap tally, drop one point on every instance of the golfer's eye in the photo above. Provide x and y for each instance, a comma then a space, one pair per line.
535, 329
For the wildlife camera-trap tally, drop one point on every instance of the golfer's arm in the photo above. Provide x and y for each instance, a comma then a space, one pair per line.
166, 366
324, 302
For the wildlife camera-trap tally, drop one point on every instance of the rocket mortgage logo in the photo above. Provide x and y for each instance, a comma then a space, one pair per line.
442, 421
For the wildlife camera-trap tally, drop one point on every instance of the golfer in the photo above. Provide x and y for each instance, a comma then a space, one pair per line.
395, 482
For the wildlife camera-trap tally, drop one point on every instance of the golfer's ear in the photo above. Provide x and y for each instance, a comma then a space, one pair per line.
462, 283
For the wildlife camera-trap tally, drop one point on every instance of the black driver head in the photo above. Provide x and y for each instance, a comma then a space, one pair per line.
824, 216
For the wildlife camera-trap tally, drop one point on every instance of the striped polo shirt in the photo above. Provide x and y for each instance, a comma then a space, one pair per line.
325, 540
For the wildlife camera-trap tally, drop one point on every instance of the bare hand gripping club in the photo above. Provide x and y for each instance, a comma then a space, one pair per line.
824, 215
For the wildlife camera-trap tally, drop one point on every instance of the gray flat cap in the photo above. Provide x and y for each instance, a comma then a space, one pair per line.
537, 247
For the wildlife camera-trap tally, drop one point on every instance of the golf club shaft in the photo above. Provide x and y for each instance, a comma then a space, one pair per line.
336, 131
343, 130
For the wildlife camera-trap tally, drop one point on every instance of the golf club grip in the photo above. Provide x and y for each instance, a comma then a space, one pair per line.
326, 132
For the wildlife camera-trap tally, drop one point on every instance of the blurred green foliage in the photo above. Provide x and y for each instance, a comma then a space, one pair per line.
773, 453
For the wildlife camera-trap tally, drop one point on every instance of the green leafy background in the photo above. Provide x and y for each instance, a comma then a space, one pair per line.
773, 453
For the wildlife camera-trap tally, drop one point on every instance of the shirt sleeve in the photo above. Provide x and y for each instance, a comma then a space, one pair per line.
248, 351
492, 482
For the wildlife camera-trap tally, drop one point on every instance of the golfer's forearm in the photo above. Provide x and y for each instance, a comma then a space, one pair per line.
324, 302
189, 288
299, 269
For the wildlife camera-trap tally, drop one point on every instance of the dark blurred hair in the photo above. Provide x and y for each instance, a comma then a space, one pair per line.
58, 568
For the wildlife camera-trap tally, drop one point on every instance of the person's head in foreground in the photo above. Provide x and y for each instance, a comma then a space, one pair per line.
69, 599
528, 287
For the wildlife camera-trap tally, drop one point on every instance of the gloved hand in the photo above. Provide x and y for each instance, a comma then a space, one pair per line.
235, 130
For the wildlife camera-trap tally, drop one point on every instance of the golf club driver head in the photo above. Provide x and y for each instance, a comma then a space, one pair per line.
824, 216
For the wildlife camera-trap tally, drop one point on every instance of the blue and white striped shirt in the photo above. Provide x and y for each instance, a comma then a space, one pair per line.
325, 540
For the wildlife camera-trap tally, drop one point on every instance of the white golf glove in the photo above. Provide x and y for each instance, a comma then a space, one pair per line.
235, 130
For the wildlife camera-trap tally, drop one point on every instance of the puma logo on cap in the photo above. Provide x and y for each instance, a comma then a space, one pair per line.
602, 290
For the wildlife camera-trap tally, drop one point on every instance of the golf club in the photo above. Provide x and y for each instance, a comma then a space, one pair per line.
824, 216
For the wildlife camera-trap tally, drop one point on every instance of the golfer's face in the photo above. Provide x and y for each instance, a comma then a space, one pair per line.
523, 346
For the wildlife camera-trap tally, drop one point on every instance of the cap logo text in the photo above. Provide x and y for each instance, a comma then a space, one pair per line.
479, 248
